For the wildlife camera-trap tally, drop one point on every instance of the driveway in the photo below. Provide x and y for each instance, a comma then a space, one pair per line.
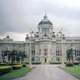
47, 72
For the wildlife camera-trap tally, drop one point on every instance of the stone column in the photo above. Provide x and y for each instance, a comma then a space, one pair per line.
30, 56
63, 52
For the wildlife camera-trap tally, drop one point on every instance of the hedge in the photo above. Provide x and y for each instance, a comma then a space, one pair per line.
5, 69
55, 62
16, 66
69, 64
36, 62
76, 63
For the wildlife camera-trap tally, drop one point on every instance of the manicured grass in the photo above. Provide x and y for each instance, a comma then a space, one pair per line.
15, 73
73, 70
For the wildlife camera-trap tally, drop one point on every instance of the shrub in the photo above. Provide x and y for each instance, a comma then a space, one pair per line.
55, 62
16, 66
5, 69
36, 62
24, 65
76, 63
69, 64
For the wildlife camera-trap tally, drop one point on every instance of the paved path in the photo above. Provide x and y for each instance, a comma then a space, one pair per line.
47, 72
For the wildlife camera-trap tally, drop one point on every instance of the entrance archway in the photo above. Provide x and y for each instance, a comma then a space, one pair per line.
45, 60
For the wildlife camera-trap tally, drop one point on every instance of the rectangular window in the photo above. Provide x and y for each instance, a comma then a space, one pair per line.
45, 52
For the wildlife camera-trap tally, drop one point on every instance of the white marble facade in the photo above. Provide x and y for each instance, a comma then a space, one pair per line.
44, 46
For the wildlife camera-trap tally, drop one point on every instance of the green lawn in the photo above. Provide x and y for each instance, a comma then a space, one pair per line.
74, 70
15, 73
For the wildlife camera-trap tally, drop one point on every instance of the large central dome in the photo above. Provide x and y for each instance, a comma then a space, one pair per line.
45, 21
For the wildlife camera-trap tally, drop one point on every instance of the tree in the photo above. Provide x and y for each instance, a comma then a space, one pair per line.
5, 53
78, 58
20, 56
3, 57
13, 56
70, 55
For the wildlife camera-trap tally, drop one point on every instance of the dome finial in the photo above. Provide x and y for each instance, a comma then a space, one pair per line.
45, 16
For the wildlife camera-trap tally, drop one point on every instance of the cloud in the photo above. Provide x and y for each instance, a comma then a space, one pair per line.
23, 15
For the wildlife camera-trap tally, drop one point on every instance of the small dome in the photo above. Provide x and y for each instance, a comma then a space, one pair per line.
8, 36
45, 21
27, 36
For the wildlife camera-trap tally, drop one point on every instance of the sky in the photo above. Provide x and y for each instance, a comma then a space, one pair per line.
18, 17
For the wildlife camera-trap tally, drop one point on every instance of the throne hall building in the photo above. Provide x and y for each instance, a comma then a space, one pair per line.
44, 46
